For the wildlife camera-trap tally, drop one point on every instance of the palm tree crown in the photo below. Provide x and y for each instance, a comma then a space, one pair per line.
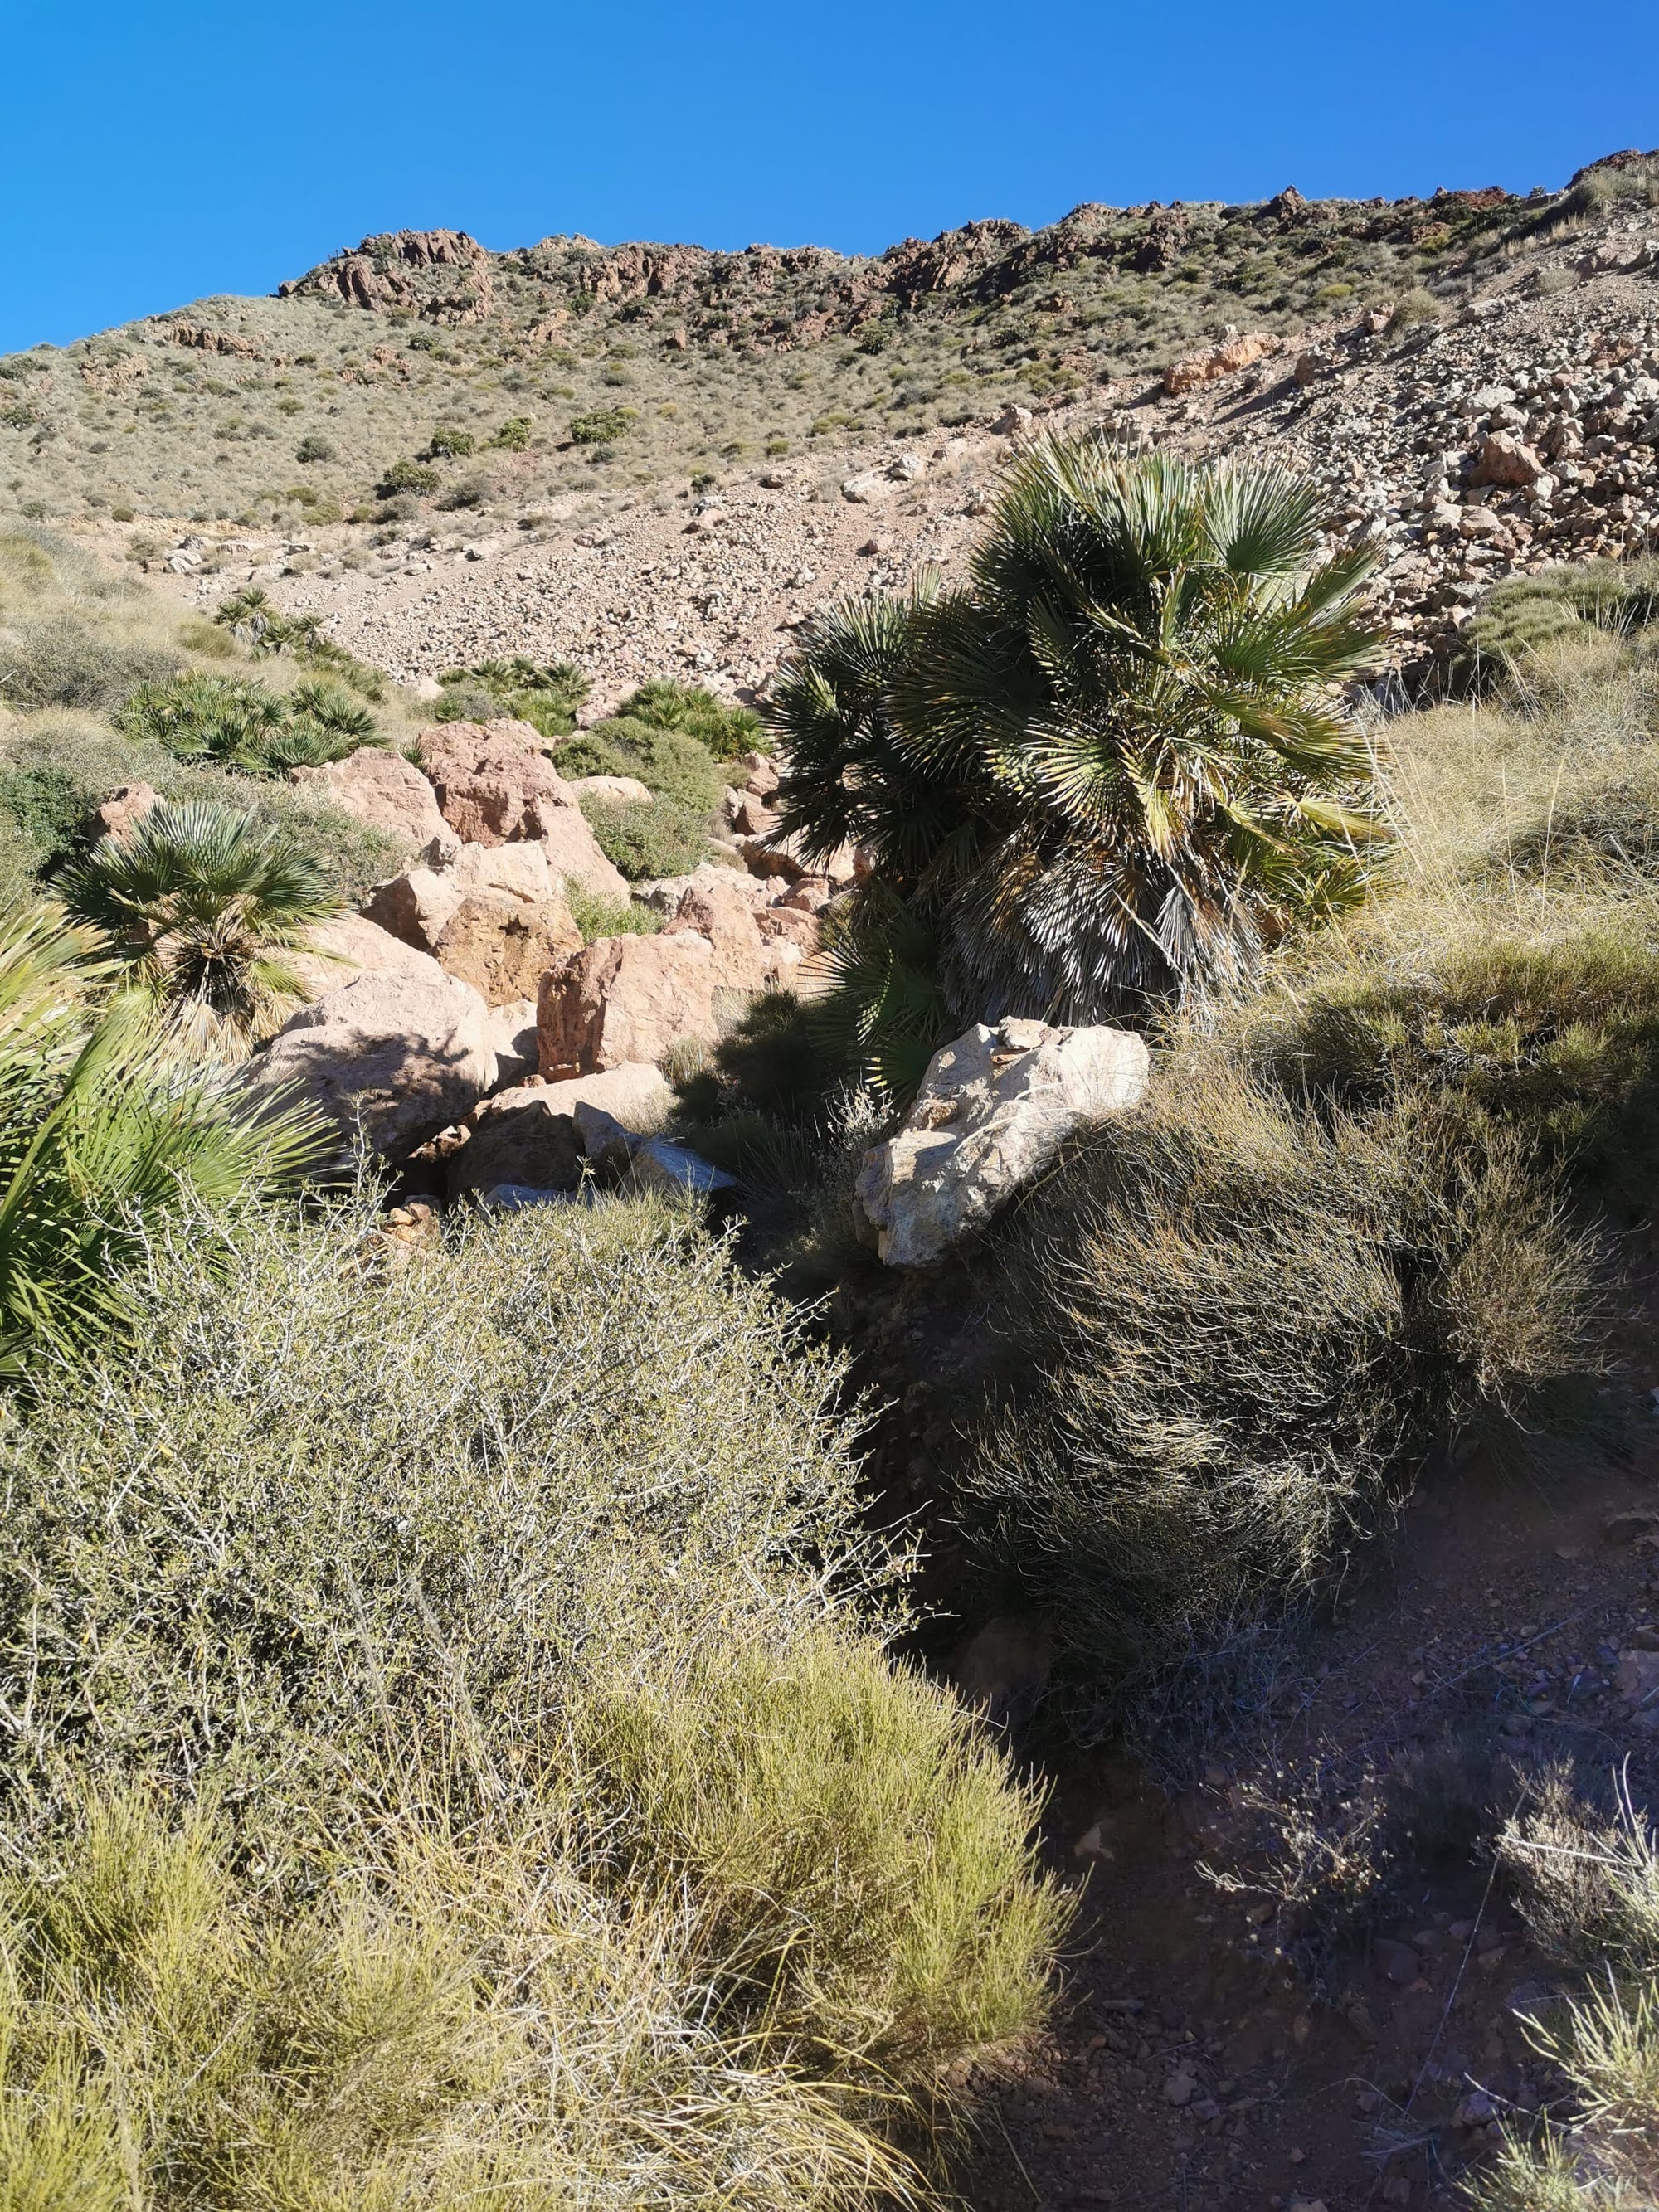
200, 900
1111, 767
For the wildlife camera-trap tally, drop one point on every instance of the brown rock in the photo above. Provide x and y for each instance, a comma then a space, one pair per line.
516, 1137
503, 947
626, 998
624, 789
416, 906
399, 1056
1222, 361
491, 778
633, 1095
122, 808
1505, 459
349, 945
383, 790
574, 854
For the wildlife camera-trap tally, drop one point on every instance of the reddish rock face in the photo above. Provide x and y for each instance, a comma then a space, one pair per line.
626, 998
382, 789
493, 781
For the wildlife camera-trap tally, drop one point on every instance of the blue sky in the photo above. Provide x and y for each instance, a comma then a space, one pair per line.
156, 151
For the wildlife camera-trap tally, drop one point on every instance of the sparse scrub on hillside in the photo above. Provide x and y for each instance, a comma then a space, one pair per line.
1588, 1885
660, 1820
1250, 1328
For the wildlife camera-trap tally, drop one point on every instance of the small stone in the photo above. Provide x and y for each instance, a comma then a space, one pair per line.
1178, 2089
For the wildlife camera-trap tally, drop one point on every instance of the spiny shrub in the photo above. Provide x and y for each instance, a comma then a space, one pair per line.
63, 660
1589, 1886
1558, 1035
1248, 1326
1524, 613
250, 617
597, 916
658, 1824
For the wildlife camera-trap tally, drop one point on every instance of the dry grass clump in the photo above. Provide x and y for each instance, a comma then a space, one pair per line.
1245, 1326
1589, 1886
481, 1620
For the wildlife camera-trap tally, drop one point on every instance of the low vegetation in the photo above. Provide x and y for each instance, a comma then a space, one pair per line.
651, 1880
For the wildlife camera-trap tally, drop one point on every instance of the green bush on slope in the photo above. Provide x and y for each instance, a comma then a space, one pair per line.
500, 1601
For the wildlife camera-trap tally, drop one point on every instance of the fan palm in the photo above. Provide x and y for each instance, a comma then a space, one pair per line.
1110, 769
100, 1127
201, 900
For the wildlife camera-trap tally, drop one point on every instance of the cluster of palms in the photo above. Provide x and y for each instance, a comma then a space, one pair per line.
1107, 773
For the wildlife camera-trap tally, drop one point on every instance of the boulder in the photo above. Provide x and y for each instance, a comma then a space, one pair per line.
503, 946
399, 1056
511, 1031
747, 959
493, 780
123, 810
626, 998
661, 1166
574, 853
993, 1109
1503, 458
386, 791
515, 1138
417, 905
350, 945
633, 1095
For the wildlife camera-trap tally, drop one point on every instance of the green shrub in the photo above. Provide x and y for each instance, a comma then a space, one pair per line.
447, 443
470, 491
48, 806
514, 435
407, 476
596, 916
725, 732
545, 694
655, 1838
63, 660
647, 839
1250, 1326
600, 425
313, 448
250, 617
670, 763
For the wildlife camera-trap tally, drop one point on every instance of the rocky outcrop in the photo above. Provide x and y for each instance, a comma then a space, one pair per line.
626, 998
492, 779
515, 1138
386, 791
350, 945
993, 1110
395, 1057
1225, 359
418, 905
503, 946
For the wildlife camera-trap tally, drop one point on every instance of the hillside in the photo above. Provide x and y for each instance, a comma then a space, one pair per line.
638, 456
